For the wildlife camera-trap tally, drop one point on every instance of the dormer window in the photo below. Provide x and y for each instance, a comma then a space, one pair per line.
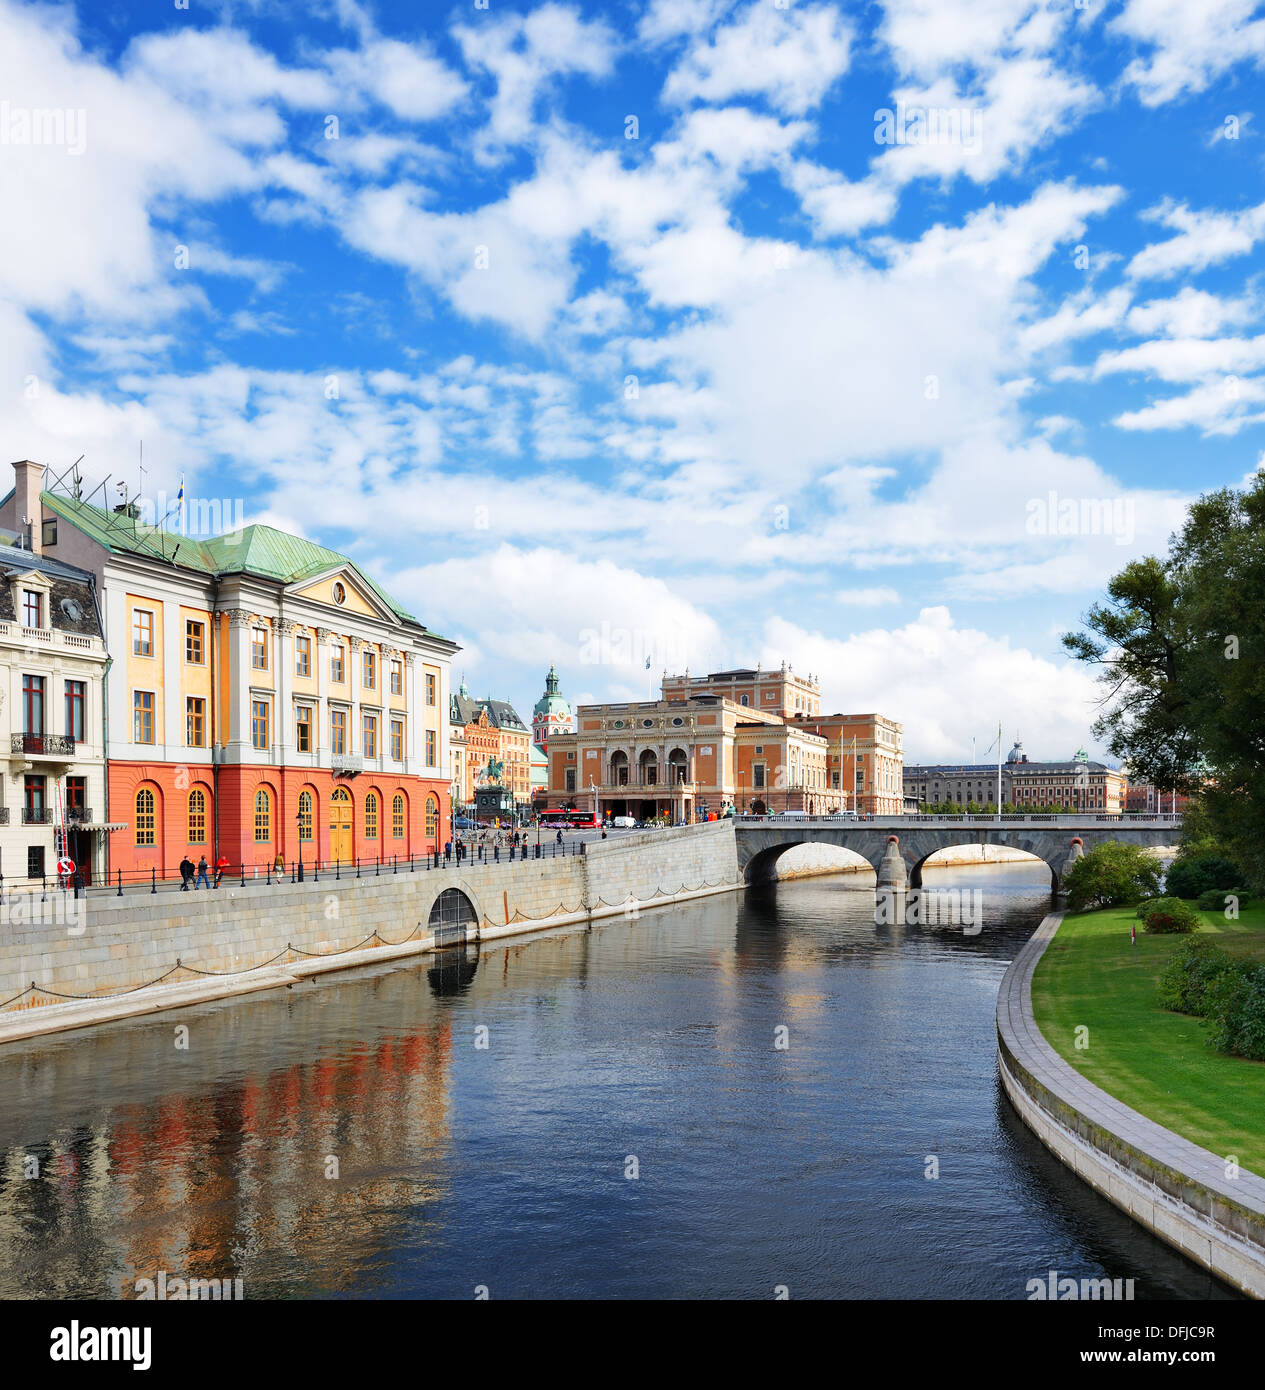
32, 608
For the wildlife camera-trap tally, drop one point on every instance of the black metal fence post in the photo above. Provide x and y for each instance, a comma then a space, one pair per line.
153, 879
120, 894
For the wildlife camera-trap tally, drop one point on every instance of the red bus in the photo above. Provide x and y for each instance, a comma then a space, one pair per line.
560, 818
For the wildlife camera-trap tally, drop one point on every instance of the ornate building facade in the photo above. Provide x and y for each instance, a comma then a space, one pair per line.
267, 698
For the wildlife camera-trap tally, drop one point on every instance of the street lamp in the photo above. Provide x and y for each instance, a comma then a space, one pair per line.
299, 819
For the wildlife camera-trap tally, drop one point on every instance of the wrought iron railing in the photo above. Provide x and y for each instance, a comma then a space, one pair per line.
61, 745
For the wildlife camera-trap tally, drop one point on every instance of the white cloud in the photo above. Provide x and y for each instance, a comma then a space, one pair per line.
945, 683
1191, 313
1204, 239
867, 598
524, 54
1188, 44
791, 57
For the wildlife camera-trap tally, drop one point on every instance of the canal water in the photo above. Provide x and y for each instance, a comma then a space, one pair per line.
596, 1113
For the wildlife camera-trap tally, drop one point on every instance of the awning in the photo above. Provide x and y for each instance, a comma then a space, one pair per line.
96, 825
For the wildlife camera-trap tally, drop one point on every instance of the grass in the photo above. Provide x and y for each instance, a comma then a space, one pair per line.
1155, 1061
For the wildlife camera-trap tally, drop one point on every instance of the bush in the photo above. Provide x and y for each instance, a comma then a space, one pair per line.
1214, 899
1169, 915
1111, 875
1145, 906
1236, 1010
1189, 975
1201, 873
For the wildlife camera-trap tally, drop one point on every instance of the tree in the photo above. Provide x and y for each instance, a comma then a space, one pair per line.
1181, 644
1111, 875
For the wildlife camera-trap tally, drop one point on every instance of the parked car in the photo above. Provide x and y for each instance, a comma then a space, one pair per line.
464, 823
625, 822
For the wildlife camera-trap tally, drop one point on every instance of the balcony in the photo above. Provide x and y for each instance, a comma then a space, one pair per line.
37, 815
4, 815
346, 764
78, 815
43, 745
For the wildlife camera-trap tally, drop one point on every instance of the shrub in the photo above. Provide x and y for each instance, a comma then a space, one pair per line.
1170, 915
1214, 899
1235, 1010
1201, 873
1189, 975
1145, 906
1110, 875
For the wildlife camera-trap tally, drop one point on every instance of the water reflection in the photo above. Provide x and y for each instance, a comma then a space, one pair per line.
354, 1138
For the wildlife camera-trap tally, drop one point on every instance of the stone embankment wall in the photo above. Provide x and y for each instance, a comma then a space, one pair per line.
242, 937
1181, 1192
809, 861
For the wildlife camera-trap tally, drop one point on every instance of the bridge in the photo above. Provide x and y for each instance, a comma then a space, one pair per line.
898, 846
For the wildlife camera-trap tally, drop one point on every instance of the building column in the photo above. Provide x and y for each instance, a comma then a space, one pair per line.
237, 716
283, 646
321, 657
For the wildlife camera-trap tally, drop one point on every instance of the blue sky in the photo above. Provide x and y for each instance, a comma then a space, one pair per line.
750, 386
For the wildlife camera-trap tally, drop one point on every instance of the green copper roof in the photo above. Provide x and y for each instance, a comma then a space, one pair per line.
260, 550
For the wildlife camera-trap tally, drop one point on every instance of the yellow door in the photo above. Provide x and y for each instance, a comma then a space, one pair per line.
340, 843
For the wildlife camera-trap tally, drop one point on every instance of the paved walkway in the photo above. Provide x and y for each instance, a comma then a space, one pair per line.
1188, 1163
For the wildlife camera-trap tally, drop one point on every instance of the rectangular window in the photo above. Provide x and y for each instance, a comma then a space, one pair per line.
370, 676
336, 664
76, 795
338, 730
76, 692
50, 532
370, 729
142, 716
32, 704
430, 748
33, 802
32, 607
303, 729
570, 779
142, 632
757, 775
35, 861
259, 723
397, 676
259, 648
194, 643
397, 740
430, 687
302, 656
195, 722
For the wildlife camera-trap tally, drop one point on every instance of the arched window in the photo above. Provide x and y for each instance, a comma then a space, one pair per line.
432, 817
144, 817
197, 817
305, 815
397, 817
371, 815
263, 816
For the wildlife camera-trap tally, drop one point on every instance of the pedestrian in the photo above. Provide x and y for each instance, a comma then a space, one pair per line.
220, 865
559, 834
448, 851
603, 832
279, 867
186, 873
203, 881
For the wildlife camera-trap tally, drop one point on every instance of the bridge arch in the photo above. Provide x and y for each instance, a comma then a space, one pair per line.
928, 859
762, 866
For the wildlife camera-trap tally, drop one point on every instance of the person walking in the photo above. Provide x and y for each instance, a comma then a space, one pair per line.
202, 880
186, 873
220, 865
448, 851
559, 834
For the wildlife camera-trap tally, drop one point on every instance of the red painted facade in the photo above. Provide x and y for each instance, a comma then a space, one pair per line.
230, 797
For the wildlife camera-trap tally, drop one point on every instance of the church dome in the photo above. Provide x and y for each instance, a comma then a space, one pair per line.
1016, 754
552, 705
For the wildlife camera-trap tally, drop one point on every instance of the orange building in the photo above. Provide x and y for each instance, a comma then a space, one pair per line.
267, 698
491, 731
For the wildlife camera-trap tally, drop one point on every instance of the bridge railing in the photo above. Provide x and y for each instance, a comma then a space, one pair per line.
1069, 819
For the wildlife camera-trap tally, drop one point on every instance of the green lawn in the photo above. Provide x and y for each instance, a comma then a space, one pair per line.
1155, 1061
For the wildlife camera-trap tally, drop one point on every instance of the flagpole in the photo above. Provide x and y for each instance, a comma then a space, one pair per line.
999, 769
